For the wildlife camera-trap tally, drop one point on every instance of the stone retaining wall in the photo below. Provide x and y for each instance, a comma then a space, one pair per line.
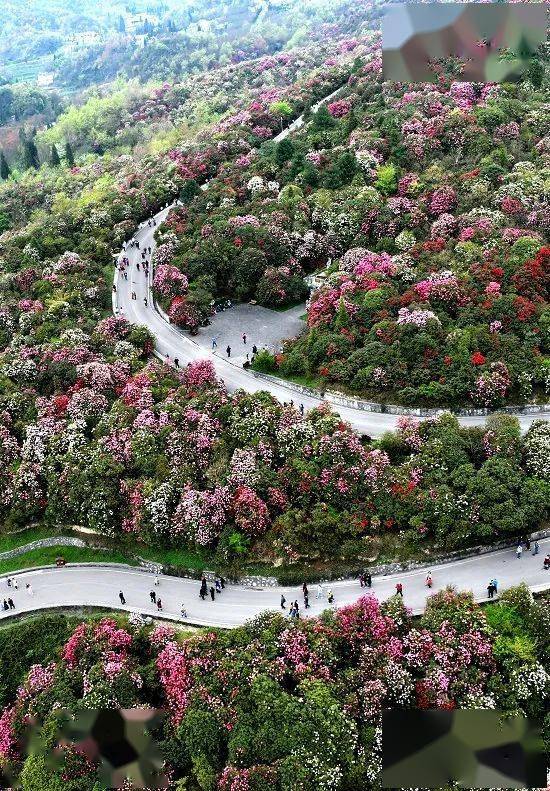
339, 399
54, 541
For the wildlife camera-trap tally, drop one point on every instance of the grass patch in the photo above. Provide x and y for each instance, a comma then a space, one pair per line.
13, 540
47, 556
183, 558
284, 308
313, 382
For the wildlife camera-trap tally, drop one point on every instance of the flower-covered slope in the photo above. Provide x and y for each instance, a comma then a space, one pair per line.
273, 704
425, 213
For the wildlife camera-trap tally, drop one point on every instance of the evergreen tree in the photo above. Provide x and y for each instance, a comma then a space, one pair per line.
69, 156
351, 122
54, 158
189, 190
30, 155
323, 119
284, 151
4, 167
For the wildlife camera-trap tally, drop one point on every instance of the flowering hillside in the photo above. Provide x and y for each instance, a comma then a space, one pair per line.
274, 703
430, 207
425, 212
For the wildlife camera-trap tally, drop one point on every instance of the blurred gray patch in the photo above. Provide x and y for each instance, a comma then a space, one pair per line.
495, 41
472, 748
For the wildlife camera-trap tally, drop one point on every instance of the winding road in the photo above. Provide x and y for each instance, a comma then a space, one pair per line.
171, 341
99, 585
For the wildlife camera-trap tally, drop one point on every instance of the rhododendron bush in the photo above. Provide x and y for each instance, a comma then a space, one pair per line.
242, 704
169, 455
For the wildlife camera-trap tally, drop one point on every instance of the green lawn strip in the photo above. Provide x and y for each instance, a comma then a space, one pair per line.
47, 556
13, 540
182, 558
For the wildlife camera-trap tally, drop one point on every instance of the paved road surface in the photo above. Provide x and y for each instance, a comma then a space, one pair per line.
169, 340
173, 342
93, 585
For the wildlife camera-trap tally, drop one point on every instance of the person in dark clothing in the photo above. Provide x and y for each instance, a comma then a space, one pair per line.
399, 589
490, 590
6, 605
159, 604
204, 588
306, 601
228, 351
176, 362
153, 596
11, 604
283, 600
254, 349
304, 589
302, 410
212, 593
145, 301
222, 582
121, 597
368, 579
362, 580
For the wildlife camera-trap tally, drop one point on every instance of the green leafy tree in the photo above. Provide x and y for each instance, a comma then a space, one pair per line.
54, 157
69, 156
30, 155
4, 167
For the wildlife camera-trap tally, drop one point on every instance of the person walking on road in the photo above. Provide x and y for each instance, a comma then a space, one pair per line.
546, 563
306, 601
302, 410
214, 343
228, 351
157, 581
536, 548
153, 597
121, 597
519, 551
368, 579
320, 591
244, 338
28, 588
183, 611
304, 589
494, 583
6, 606
176, 362
11, 605
429, 580
490, 590
399, 590
8, 582
204, 588
283, 600
212, 593
145, 301
218, 585
330, 596
159, 604
16, 584
254, 349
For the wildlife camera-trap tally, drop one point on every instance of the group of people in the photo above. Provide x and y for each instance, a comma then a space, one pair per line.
527, 543
217, 587
492, 588
13, 582
365, 579
294, 610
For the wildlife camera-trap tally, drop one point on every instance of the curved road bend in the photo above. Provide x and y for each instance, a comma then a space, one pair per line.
173, 342
96, 585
